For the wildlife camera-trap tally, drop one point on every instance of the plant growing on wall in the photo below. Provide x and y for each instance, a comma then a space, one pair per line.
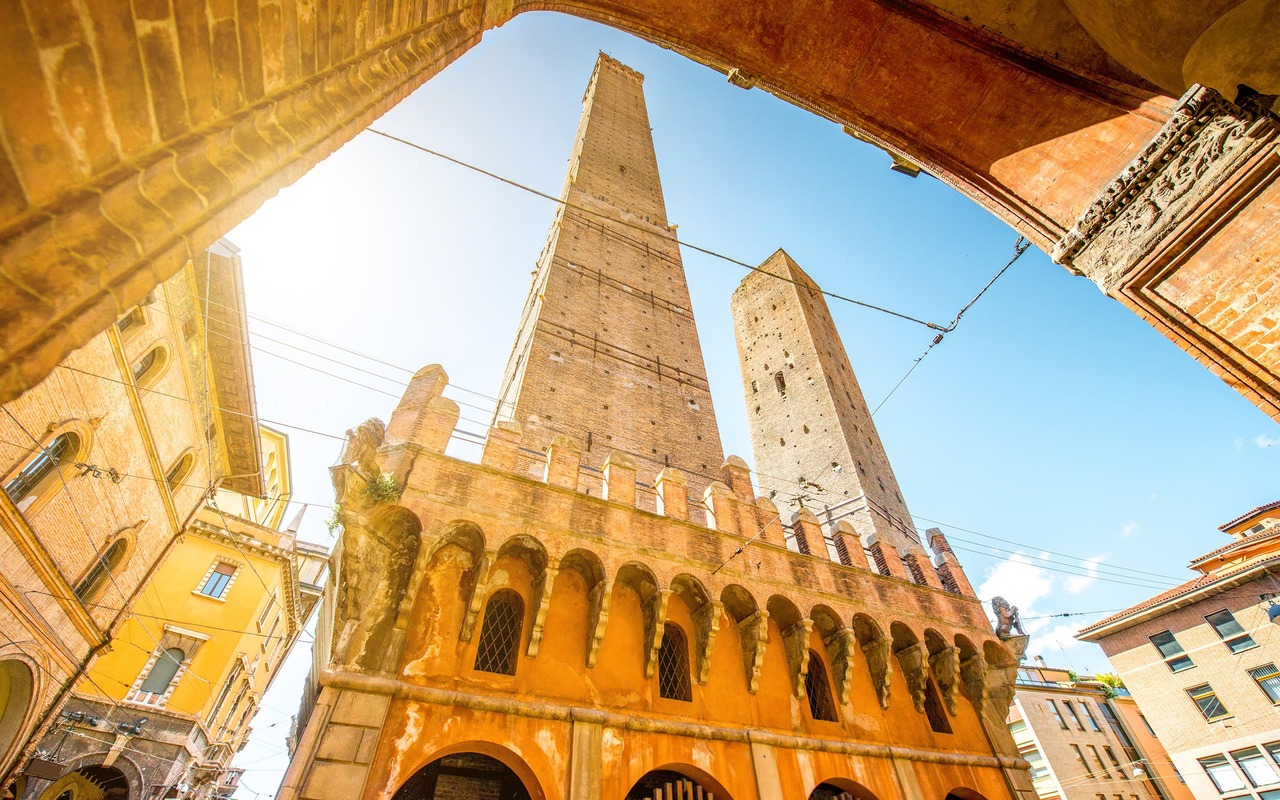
383, 489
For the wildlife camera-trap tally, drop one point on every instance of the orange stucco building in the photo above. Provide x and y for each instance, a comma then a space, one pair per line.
603, 607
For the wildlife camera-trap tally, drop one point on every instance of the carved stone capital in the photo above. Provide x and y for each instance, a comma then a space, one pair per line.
914, 661
878, 653
840, 649
754, 632
945, 666
795, 640
542, 603
478, 589
655, 616
1198, 150
706, 622
598, 600
973, 672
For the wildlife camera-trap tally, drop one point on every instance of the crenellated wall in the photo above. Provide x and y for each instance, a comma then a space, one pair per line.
599, 580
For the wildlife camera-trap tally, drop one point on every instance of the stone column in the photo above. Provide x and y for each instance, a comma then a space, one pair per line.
585, 757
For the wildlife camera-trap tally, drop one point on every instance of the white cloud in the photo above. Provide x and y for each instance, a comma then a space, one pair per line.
1061, 637
1020, 581
1264, 440
1129, 529
1078, 583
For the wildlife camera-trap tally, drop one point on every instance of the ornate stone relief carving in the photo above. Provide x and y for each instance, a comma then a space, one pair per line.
878, 652
795, 640
1000, 688
973, 673
598, 600
655, 615
914, 661
841, 646
754, 632
1195, 153
706, 623
945, 666
478, 591
542, 602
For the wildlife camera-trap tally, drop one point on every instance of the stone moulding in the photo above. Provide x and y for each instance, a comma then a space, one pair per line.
1197, 151
413, 693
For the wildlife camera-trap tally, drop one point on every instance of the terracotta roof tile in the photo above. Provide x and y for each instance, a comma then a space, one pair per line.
1272, 506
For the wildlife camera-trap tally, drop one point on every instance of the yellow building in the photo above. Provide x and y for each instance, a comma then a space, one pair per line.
163, 713
103, 465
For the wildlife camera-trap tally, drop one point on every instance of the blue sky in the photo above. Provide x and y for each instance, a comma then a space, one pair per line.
1052, 418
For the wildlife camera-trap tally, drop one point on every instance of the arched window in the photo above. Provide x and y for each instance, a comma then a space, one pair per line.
104, 566
780, 382
673, 664
40, 471
162, 674
149, 367
179, 471
821, 704
500, 635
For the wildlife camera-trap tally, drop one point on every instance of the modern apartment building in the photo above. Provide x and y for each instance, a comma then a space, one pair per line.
1203, 661
1077, 744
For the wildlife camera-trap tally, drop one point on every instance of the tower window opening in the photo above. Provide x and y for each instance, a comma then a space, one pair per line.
781, 383
500, 635
754, 388
673, 665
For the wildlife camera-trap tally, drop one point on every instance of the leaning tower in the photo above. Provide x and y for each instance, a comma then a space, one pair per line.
603, 607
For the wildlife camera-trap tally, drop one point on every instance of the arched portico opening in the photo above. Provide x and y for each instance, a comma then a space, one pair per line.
841, 789
677, 781
466, 772
94, 782
961, 793
16, 687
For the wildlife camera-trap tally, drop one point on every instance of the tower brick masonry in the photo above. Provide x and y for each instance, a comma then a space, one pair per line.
607, 352
811, 430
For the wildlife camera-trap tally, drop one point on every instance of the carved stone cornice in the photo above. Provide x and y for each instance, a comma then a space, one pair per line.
1196, 152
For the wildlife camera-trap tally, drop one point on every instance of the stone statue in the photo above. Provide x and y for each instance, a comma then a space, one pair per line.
362, 446
1007, 619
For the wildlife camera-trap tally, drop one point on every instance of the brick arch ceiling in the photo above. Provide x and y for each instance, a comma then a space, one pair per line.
116, 171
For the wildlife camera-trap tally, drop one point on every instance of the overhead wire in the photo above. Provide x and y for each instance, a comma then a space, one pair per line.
647, 229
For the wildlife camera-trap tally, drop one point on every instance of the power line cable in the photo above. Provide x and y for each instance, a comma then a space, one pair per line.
643, 228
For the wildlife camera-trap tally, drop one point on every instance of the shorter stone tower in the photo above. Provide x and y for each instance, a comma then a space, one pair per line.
811, 430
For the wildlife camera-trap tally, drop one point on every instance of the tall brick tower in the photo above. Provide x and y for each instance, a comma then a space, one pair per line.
809, 421
607, 352
603, 608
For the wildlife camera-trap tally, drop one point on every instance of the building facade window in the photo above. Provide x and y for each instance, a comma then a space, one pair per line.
500, 634
1223, 775
1088, 712
1230, 632
821, 706
161, 677
1053, 709
1115, 762
104, 566
1255, 766
218, 580
673, 665
1268, 680
41, 471
934, 710
1208, 702
179, 471
1175, 658
1101, 764
132, 321
1075, 715
1080, 757
147, 369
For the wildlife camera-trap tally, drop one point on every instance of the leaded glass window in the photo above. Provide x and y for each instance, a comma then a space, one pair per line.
500, 634
821, 705
673, 665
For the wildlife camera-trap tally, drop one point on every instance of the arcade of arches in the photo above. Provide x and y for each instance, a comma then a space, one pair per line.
1062, 117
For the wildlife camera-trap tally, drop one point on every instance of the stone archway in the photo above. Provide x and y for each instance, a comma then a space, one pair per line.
17, 687
117, 174
465, 774
841, 789
93, 782
677, 782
